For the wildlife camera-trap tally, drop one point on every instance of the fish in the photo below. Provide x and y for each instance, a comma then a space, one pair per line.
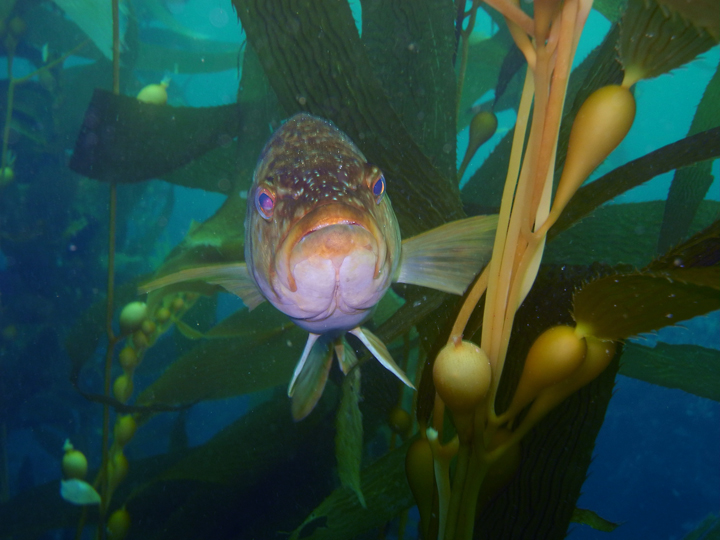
323, 245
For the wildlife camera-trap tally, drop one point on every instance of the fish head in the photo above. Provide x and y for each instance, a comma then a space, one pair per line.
322, 240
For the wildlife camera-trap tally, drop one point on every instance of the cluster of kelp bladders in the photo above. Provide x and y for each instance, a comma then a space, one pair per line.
562, 359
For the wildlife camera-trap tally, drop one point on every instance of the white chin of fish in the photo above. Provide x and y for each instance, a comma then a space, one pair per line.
333, 270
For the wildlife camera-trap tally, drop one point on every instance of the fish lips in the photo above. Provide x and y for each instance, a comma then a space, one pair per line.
325, 216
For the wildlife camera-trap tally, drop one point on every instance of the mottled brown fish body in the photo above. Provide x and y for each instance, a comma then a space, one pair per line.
326, 228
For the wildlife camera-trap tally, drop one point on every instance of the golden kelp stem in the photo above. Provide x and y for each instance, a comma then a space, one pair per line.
518, 249
13, 82
112, 339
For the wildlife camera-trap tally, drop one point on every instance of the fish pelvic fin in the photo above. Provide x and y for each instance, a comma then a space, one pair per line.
310, 376
448, 257
233, 277
380, 351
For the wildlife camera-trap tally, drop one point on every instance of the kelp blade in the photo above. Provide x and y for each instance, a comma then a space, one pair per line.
124, 140
691, 368
342, 517
623, 305
262, 358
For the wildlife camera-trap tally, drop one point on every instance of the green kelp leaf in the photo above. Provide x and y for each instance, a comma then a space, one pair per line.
699, 147
657, 36
610, 9
220, 368
341, 516
349, 438
702, 250
315, 62
257, 326
690, 368
212, 171
85, 335
32, 107
708, 529
540, 499
209, 57
691, 184
623, 305
485, 58
592, 519
250, 447
418, 78
124, 140
619, 234
599, 68
46, 25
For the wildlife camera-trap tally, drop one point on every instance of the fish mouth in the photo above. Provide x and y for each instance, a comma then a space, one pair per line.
329, 215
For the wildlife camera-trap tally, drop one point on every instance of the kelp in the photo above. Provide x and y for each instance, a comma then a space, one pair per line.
340, 516
315, 62
656, 301
349, 437
690, 368
690, 184
85, 335
659, 35
616, 234
31, 111
216, 369
699, 147
188, 57
539, 499
592, 519
626, 304
124, 140
488, 55
418, 78
191, 55
246, 456
708, 529
599, 68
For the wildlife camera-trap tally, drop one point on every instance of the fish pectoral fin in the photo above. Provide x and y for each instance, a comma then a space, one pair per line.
380, 351
448, 257
345, 355
233, 277
310, 376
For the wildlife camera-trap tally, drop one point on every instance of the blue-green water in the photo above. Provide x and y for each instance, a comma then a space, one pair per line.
655, 466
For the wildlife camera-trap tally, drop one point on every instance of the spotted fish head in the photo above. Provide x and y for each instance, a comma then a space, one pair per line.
322, 240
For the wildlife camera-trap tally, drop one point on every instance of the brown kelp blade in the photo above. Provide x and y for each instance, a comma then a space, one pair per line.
223, 367
699, 147
691, 184
623, 305
386, 494
690, 368
124, 140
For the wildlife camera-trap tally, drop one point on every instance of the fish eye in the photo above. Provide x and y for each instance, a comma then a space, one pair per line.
378, 188
265, 202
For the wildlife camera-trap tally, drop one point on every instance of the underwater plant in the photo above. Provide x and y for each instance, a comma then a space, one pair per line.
512, 378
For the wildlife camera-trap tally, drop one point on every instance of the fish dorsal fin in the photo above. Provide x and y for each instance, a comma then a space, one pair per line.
448, 257
345, 355
380, 351
310, 376
233, 277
